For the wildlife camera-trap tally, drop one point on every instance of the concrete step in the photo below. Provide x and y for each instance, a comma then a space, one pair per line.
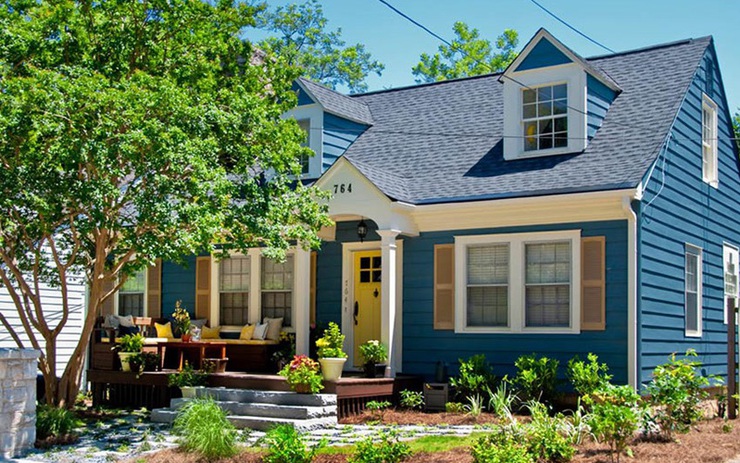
221, 394
260, 423
299, 412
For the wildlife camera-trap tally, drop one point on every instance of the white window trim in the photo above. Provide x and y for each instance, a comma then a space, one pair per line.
712, 178
571, 74
145, 312
255, 291
517, 280
697, 251
314, 113
729, 248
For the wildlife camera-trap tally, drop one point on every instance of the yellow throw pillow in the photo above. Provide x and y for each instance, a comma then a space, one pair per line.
210, 333
164, 331
247, 332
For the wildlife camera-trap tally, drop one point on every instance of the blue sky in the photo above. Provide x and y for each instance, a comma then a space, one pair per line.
618, 24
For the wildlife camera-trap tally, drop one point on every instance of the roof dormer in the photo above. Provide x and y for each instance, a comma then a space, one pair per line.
546, 99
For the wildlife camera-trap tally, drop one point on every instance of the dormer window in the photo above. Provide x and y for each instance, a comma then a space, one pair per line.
545, 117
305, 125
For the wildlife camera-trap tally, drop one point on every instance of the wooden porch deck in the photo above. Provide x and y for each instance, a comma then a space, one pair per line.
126, 390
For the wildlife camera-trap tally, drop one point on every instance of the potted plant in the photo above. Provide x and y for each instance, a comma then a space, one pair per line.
374, 353
130, 345
285, 351
331, 355
144, 361
188, 380
302, 375
182, 321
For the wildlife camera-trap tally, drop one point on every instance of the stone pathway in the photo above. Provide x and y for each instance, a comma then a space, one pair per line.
133, 435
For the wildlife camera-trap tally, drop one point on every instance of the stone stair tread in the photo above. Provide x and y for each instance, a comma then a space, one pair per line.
267, 409
264, 423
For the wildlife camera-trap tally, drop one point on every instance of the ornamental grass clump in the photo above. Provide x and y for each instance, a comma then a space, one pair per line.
56, 422
331, 344
204, 429
302, 375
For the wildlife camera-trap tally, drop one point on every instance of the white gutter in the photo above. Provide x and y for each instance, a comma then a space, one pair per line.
632, 375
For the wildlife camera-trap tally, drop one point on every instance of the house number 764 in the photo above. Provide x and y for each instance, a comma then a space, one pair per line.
342, 188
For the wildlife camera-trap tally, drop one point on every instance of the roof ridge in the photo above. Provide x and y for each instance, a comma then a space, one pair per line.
658, 46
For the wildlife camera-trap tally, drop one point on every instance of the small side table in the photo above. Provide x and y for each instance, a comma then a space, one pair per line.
436, 395
198, 348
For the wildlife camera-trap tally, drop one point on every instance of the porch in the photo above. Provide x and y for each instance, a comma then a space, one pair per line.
127, 390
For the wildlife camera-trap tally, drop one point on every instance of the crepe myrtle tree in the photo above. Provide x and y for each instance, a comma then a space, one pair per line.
133, 131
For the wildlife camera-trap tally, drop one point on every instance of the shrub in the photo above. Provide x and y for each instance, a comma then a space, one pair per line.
615, 413
55, 422
302, 375
204, 429
675, 393
475, 378
501, 446
548, 438
330, 345
412, 399
388, 450
377, 408
536, 378
454, 407
587, 377
188, 376
286, 445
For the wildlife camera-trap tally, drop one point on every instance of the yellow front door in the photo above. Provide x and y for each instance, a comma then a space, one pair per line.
367, 299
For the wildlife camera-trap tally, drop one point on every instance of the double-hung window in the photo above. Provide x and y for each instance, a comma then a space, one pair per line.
233, 282
545, 117
131, 295
731, 273
709, 141
277, 289
692, 291
305, 125
518, 283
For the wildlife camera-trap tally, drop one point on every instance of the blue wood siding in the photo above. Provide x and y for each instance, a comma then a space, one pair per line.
178, 284
599, 98
423, 346
543, 54
678, 208
303, 98
339, 134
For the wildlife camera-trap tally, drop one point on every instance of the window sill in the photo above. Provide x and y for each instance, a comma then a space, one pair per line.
693, 334
544, 153
484, 330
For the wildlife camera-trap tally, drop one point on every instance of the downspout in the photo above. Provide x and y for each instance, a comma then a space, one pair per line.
632, 360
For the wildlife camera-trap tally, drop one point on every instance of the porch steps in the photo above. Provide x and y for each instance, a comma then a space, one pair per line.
262, 410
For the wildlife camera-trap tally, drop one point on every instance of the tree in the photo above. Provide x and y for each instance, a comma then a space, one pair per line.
134, 131
303, 40
468, 55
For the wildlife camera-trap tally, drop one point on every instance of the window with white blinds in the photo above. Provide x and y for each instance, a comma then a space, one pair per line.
277, 289
488, 285
131, 295
233, 278
518, 283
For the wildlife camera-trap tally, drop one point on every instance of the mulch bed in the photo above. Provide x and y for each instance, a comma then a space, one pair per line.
404, 417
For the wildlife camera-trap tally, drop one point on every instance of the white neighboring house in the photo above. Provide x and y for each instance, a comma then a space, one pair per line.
52, 303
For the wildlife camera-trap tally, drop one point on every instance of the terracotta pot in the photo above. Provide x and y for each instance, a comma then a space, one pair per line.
186, 337
302, 388
331, 368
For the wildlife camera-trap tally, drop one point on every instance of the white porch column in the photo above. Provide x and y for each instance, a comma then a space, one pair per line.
388, 297
302, 299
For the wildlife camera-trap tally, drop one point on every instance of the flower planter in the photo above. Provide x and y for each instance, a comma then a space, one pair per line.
374, 370
302, 388
125, 357
186, 337
190, 392
331, 368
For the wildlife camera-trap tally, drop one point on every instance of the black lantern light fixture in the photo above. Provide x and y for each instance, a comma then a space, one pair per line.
362, 230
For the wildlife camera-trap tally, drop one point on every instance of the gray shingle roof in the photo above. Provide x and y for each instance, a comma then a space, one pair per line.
443, 142
338, 104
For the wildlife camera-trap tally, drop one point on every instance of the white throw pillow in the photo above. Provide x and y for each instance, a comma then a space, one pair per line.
260, 331
274, 325
111, 321
127, 321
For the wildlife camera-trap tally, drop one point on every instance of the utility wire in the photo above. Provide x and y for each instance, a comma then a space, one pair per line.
418, 24
562, 21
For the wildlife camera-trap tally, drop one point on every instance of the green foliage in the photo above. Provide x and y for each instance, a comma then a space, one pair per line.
454, 407
548, 437
474, 407
141, 131
303, 372
676, 391
412, 399
144, 361
469, 55
536, 378
203, 428
181, 318
286, 445
373, 351
589, 376
303, 40
131, 343
475, 378
615, 415
375, 405
188, 376
331, 344
501, 446
56, 422
501, 402
388, 449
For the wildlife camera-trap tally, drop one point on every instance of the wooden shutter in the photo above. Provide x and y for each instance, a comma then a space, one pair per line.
203, 287
154, 290
444, 286
313, 288
593, 283
108, 306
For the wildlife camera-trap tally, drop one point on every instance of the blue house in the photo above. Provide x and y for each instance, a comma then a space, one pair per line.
564, 206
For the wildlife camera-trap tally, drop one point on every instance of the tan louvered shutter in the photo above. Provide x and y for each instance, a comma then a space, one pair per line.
313, 288
593, 284
444, 287
154, 290
108, 306
203, 287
